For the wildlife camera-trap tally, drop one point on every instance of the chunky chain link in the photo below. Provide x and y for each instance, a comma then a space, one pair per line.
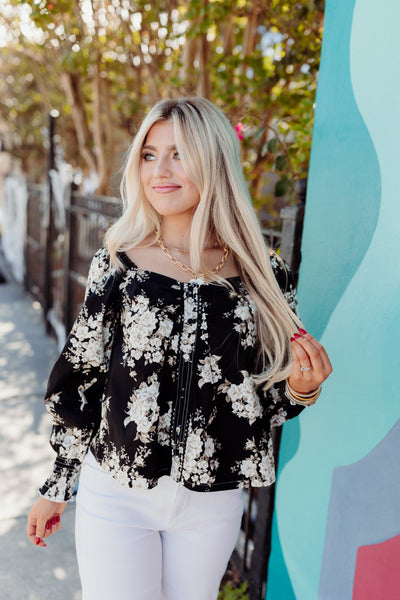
184, 267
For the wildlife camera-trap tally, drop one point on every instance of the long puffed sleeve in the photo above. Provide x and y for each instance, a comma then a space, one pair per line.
76, 383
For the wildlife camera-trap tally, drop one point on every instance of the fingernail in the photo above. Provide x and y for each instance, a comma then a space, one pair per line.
54, 521
37, 540
297, 336
58, 519
48, 525
292, 340
302, 331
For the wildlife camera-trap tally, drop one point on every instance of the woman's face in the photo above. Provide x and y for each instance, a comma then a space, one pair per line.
165, 183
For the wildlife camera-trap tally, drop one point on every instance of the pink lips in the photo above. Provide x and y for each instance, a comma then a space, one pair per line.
166, 188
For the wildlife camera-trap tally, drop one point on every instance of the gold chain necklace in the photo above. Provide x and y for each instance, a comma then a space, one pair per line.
184, 267
184, 251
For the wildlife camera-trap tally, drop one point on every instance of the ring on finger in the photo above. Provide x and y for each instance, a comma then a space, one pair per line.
305, 369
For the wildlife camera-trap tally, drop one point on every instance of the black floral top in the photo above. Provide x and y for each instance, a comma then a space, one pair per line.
156, 378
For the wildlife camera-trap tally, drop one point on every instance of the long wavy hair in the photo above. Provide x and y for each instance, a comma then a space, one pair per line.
210, 154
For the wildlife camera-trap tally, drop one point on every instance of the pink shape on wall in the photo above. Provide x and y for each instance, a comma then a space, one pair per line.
377, 573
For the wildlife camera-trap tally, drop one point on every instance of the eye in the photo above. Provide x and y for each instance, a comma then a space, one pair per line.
177, 156
148, 156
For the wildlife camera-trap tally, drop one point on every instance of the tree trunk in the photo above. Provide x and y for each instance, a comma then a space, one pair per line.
42, 87
204, 79
69, 83
108, 128
228, 37
188, 76
250, 36
98, 138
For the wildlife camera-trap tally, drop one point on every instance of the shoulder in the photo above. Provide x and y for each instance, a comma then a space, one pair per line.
282, 272
284, 278
100, 264
100, 270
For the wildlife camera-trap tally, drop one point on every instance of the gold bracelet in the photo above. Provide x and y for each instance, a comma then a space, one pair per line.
311, 398
303, 402
300, 395
303, 399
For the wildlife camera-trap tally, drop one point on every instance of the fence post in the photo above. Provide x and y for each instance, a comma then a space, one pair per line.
47, 295
292, 229
67, 260
292, 226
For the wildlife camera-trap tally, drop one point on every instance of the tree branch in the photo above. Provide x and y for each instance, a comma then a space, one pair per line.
70, 85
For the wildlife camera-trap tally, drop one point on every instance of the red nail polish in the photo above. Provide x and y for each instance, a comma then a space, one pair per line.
302, 331
48, 525
54, 521
37, 541
58, 519
297, 336
292, 339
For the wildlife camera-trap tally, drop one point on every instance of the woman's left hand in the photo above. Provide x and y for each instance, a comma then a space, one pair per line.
311, 365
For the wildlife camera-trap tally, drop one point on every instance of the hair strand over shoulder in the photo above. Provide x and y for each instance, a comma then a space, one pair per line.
210, 154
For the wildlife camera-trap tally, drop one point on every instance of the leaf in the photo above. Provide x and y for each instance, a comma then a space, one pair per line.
272, 146
282, 187
259, 133
281, 162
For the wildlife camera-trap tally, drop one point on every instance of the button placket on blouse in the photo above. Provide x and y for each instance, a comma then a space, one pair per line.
180, 420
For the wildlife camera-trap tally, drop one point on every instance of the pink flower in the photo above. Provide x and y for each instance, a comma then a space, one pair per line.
239, 130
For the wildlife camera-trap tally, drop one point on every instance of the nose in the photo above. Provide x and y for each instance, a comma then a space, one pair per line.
162, 167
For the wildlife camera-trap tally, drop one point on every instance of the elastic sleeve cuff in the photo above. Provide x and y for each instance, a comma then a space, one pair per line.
59, 486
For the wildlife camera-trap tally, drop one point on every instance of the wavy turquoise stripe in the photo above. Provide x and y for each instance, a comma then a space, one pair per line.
341, 214
344, 183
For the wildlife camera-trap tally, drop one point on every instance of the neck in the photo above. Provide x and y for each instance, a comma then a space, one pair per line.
176, 233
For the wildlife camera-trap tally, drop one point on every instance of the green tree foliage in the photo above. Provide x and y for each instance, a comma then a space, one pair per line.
103, 63
232, 592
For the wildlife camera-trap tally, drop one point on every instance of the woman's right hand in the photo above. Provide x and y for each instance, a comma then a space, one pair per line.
44, 519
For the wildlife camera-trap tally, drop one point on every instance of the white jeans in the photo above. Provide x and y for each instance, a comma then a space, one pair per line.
168, 542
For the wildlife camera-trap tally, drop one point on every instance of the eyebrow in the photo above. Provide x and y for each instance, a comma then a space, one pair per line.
147, 147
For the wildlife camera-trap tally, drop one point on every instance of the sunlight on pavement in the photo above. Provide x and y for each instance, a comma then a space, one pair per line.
6, 328
60, 573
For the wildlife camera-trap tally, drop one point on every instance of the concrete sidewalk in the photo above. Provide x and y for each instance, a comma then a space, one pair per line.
26, 357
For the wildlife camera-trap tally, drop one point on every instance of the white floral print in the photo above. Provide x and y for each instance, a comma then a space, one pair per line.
164, 425
244, 398
158, 379
259, 466
209, 370
278, 418
189, 326
245, 322
144, 330
199, 462
89, 342
143, 408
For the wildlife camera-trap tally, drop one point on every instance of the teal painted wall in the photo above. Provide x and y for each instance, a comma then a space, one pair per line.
349, 291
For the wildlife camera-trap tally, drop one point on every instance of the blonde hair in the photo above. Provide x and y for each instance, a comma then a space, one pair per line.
210, 153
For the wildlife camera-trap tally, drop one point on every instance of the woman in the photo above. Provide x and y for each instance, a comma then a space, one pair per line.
186, 352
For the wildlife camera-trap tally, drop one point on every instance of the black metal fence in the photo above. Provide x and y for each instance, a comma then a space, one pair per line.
88, 217
58, 251
35, 242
